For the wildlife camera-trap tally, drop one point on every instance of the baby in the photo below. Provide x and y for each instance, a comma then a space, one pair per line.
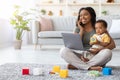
98, 40
101, 38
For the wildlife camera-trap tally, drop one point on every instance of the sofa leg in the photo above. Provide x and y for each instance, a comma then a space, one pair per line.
40, 46
35, 46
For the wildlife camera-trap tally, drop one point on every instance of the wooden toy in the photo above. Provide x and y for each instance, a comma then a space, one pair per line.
25, 71
60, 12
107, 71
63, 73
110, 1
56, 69
51, 72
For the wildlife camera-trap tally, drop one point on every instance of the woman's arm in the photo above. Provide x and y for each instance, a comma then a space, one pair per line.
112, 43
79, 29
110, 46
104, 44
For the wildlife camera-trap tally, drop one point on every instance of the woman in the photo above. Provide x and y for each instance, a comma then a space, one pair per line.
85, 27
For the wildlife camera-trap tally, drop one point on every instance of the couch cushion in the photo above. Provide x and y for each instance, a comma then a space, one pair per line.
45, 24
51, 34
115, 35
115, 28
66, 23
108, 20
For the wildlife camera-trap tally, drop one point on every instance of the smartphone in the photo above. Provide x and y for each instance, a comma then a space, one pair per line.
81, 24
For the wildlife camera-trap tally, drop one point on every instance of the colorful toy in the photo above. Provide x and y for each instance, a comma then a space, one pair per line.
25, 71
93, 39
63, 73
38, 71
107, 71
56, 69
94, 73
51, 72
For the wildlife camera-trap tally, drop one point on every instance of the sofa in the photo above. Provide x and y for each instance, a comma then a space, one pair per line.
60, 24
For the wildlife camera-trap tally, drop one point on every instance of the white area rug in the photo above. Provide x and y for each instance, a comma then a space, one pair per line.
13, 71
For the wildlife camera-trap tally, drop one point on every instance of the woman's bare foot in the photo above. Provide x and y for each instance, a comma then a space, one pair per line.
71, 67
97, 68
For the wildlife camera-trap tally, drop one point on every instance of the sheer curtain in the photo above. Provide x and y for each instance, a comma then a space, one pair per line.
7, 33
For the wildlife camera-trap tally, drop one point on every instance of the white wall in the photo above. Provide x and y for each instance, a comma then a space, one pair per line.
71, 9
6, 33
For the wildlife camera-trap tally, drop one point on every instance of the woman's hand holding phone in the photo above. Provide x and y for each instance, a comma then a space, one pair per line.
81, 28
80, 25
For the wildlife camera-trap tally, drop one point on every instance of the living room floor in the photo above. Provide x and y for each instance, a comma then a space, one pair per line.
47, 55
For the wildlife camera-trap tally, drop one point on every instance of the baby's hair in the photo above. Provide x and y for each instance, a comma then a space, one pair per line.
103, 22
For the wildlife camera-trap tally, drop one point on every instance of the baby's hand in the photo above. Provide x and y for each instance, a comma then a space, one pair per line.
93, 41
84, 59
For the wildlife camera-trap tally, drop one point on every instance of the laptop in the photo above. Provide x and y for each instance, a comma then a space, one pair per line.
72, 41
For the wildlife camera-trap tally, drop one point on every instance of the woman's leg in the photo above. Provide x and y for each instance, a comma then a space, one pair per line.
70, 57
101, 58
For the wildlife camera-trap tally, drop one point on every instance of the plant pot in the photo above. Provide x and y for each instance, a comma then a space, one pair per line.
17, 44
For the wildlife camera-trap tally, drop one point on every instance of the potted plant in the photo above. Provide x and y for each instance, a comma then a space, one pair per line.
104, 12
20, 24
43, 11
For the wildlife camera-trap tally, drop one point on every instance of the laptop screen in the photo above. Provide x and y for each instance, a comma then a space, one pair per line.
72, 41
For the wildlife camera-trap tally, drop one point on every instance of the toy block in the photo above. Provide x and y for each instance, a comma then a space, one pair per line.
107, 71
38, 71
25, 71
56, 69
63, 73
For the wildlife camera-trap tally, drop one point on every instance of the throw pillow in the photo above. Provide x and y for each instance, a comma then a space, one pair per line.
46, 24
115, 27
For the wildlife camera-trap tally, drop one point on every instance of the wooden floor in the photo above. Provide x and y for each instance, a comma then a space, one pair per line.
46, 55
